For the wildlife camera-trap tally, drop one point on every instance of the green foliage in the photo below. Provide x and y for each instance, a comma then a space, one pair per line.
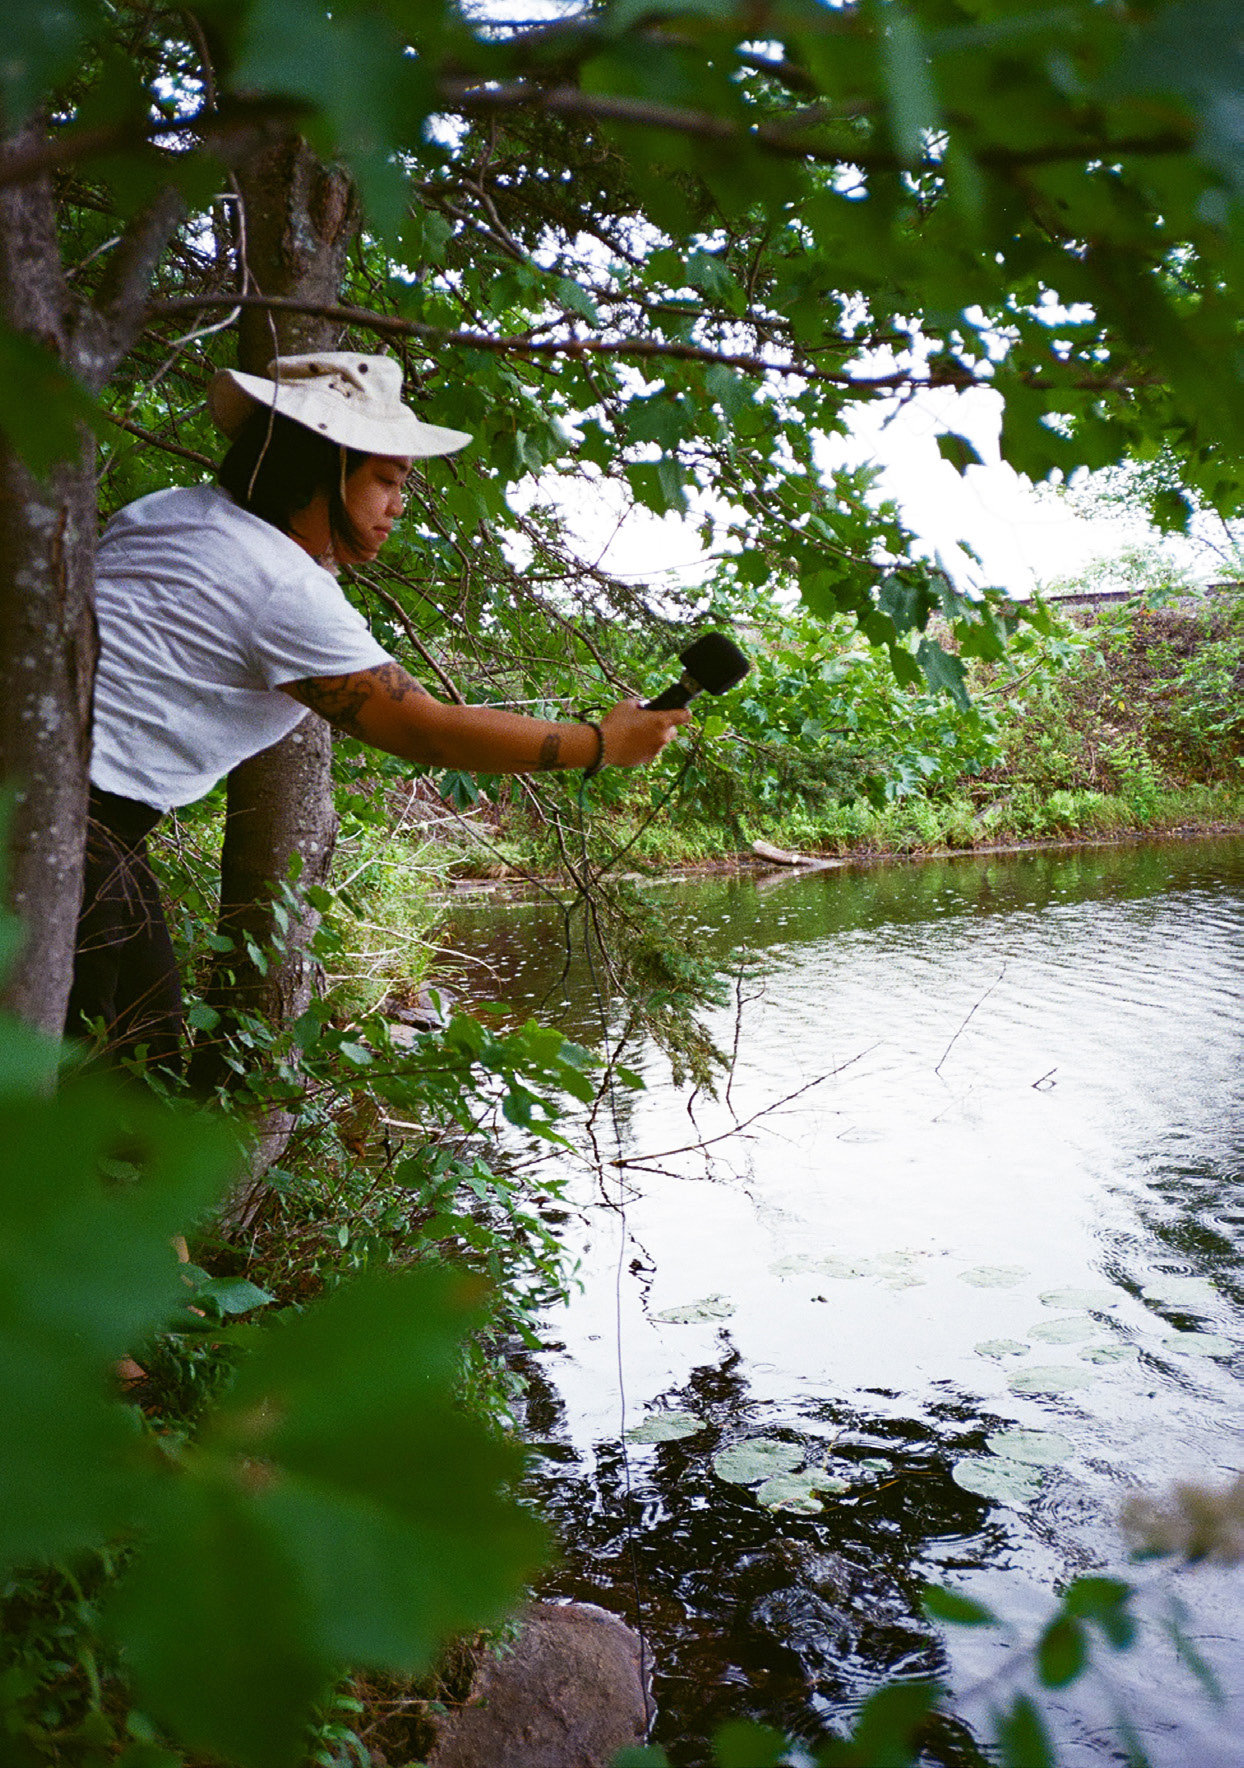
50, 415
687, 259
339, 1510
94, 1184
335, 1506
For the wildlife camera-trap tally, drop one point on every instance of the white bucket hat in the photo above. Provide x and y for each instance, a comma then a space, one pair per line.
355, 401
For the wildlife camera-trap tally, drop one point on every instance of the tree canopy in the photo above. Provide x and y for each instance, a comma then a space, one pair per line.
670, 243
677, 241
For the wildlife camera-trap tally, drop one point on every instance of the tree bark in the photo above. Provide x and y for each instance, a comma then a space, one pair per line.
47, 638
301, 220
47, 562
47, 664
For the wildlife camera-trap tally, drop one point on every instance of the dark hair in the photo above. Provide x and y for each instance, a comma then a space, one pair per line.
275, 466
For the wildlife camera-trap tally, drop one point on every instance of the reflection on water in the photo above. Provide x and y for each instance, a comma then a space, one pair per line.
993, 1123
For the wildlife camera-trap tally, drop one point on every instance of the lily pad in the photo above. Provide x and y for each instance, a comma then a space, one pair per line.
793, 1264
1001, 1348
665, 1427
1199, 1344
1006, 1482
833, 1264
1068, 1331
1036, 1448
1110, 1353
1195, 1294
1054, 1379
994, 1276
695, 1313
798, 1491
903, 1280
877, 1464
1096, 1299
743, 1464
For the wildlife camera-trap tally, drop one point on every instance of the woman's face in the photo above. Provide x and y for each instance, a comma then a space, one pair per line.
374, 499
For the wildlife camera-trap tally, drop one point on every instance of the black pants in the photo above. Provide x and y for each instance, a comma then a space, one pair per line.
124, 971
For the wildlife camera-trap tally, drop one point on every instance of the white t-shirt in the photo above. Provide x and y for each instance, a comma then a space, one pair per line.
204, 610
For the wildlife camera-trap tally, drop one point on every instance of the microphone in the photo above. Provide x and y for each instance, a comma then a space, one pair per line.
712, 665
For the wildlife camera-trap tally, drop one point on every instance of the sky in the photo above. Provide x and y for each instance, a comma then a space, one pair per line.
1026, 537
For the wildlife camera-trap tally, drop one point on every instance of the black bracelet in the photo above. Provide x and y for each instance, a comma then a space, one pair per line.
599, 762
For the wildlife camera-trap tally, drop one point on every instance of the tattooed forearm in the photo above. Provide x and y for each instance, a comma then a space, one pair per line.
550, 751
341, 698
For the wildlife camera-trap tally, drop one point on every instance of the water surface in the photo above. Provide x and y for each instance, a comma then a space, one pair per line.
975, 1104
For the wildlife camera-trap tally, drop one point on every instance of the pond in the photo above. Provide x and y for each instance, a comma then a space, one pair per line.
977, 1171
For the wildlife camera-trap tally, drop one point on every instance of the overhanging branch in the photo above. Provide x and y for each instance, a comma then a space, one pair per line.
787, 140
626, 349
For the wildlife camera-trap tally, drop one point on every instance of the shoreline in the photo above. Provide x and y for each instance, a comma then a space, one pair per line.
743, 862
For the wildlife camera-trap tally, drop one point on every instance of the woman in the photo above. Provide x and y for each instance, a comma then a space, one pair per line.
221, 622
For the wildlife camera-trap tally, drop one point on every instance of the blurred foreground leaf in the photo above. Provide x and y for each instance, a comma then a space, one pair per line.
339, 1510
93, 1184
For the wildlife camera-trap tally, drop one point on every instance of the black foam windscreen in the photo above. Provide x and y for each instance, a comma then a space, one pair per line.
711, 665
716, 662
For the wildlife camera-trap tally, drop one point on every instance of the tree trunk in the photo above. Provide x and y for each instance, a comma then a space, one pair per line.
47, 637
47, 662
301, 219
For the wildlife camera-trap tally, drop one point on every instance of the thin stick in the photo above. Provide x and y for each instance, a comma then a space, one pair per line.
955, 1039
738, 1128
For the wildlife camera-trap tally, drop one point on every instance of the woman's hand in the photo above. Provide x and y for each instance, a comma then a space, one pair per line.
634, 736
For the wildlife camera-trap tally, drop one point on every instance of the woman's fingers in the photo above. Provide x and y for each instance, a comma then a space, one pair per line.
634, 735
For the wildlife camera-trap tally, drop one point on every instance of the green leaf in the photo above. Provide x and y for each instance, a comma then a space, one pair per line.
1104, 1601
707, 272
743, 1744
1191, 1654
657, 485
905, 601
1171, 511
887, 1730
219, 1642
575, 297
1022, 1737
959, 1610
339, 1509
42, 43
67, 1478
1062, 1652
47, 412
234, 1295
353, 1428
958, 451
944, 673
86, 1273
909, 83
1194, 49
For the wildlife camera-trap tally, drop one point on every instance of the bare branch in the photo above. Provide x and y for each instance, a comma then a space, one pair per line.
127, 278
229, 135
784, 139
764, 1111
162, 442
408, 627
636, 349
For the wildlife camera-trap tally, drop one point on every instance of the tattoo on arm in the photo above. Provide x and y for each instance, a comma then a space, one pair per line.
550, 750
341, 698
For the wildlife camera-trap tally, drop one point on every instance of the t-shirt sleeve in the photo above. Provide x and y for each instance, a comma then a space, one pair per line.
308, 628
